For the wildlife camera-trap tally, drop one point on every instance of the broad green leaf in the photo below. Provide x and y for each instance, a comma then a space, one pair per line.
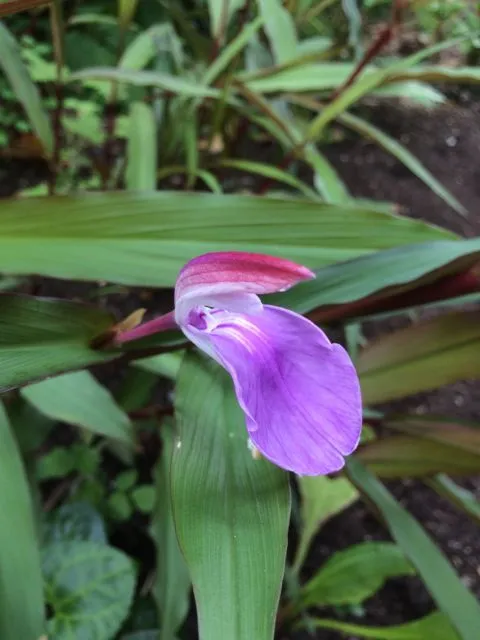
21, 588
75, 521
41, 337
353, 575
175, 84
172, 583
435, 625
166, 364
145, 238
451, 595
406, 456
152, 42
322, 498
423, 356
461, 497
77, 398
385, 274
25, 90
231, 511
89, 587
142, 148
402, 154
280, 29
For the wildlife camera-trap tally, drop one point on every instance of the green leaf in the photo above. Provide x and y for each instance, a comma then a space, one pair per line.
142, 148
77, 398
145, 238
402, 154
435, 625
152, 42
143, 498
90, 588
126, 11
172, 582
459, 496
385, 274
353, 575
446, 588
322, 498
21, 589
174, 84
221, 12
119, 506
423, 356
231, 511
25, 90
280, 29
463, 436
166, 364
41, 337
326, 179
76, 521
402, 456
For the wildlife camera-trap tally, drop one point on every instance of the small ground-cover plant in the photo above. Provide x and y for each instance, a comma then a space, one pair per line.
145, 100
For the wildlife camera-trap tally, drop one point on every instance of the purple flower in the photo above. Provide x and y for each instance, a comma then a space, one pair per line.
299, 392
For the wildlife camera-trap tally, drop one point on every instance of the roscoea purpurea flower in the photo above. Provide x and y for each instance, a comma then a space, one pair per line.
299, 392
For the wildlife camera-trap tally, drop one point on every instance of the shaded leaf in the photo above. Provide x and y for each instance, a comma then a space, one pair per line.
353, 575
77, 398
421, 357
41, 337
459, 496
21, 588
407, 456
76, 521
25, 90
172, 583
231, 511
90, 588
446, 588
386, 274
459, 435
322, 498
435, 625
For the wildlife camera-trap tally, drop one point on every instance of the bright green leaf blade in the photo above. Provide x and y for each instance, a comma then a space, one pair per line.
77, 398
172, 583
402, 154
152, 42
221, 12
435, 625
21, 587
326, 179
322, 498
446, 588
41, 337
25, 90
90, 588
423, 356
386, 272
231, 511
145, 238
175, 84
355, 574
142, 148
280, 29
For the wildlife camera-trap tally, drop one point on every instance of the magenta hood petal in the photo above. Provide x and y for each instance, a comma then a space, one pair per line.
300, 393
207, 279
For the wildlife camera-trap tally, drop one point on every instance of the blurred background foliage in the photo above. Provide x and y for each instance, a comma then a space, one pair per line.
138, 134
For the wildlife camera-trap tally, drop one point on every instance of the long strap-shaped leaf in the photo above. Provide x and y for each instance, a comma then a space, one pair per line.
25, 90
446, 588
21, 585
231, 511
